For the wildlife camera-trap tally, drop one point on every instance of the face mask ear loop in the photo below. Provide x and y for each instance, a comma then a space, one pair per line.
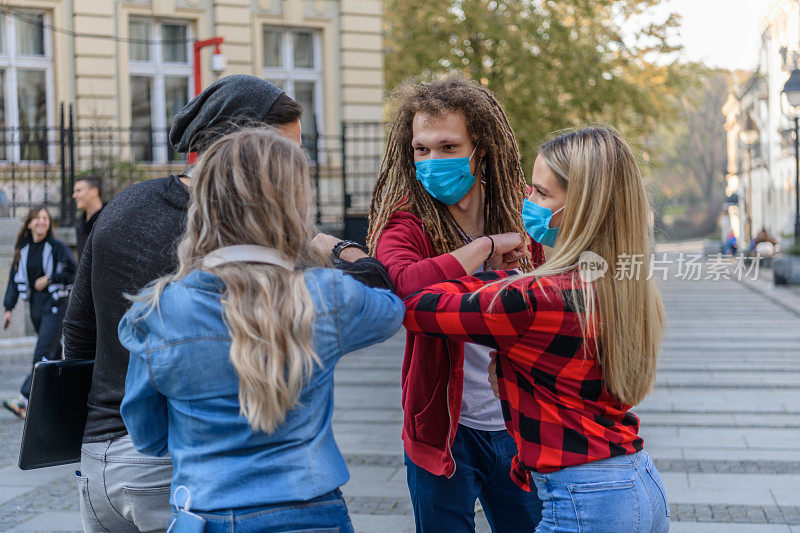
558, 210
477, 168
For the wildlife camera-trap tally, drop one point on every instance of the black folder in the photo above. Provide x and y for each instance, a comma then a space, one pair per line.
56, 414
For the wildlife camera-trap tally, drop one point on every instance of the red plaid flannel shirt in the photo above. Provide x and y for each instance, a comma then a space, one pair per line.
554, 401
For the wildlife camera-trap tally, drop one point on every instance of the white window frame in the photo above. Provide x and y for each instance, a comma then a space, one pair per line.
157, 69
288, 75
11, 62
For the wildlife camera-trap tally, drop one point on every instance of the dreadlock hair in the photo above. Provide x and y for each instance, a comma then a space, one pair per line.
488, 127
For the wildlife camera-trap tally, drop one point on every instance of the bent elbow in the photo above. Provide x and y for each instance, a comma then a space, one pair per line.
396, 316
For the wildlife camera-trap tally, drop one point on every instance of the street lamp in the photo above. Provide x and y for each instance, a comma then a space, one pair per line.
792, 91
748, 134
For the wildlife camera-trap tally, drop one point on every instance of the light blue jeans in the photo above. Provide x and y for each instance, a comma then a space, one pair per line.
324, 514
622, 494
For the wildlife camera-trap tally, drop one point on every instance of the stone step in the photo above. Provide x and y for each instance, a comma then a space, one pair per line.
15, 349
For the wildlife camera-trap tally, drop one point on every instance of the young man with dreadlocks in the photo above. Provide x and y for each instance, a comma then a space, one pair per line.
448, 204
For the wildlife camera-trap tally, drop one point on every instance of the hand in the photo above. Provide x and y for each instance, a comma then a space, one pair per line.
473, 255
509, 248
41, 283
7, 320
324, 242
493, 373
512, 259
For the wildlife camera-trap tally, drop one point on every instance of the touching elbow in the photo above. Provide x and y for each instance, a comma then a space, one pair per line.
394, 318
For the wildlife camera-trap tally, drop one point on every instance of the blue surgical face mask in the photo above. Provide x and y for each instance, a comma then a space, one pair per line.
447, 180
537, 222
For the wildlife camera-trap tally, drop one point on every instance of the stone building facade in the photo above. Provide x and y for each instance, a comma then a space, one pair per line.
129, 64
761, 175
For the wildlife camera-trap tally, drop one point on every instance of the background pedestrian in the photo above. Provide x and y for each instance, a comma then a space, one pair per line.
41, 273
88, 196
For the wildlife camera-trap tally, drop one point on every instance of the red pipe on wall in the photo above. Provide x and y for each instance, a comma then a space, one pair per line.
198, 76
199, 45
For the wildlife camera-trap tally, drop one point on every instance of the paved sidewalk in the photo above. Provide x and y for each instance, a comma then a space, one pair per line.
723, 424
34, 500
367, 425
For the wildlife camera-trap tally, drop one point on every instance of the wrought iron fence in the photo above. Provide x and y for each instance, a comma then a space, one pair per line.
40, 167
30, 174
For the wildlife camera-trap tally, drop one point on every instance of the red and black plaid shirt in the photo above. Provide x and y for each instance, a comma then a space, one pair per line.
554, 401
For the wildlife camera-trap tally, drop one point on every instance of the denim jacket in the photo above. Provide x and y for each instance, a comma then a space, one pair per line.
181, 392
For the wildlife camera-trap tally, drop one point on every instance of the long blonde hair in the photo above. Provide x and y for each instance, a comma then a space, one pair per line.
606, 213
253, 187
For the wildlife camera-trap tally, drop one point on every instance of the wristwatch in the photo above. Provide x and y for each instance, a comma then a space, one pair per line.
341, 245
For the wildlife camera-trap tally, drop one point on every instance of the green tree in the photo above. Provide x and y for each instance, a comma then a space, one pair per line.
689, 153
552, 63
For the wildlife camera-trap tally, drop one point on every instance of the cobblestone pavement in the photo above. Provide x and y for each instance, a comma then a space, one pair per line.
34, 500
723, 424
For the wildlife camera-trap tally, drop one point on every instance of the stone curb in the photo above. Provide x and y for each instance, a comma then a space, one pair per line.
779, 295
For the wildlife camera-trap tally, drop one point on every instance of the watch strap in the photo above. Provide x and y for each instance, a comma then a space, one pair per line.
341, 245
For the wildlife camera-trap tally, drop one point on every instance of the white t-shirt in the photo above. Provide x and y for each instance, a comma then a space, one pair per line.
480, 409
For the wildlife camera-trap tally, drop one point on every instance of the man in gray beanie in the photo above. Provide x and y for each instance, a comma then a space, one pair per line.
132, 243
228, 104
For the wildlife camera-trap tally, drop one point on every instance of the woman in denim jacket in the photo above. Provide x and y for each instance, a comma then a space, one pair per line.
231, 357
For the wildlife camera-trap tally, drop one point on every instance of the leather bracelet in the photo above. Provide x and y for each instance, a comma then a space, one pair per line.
492, 252
341, 245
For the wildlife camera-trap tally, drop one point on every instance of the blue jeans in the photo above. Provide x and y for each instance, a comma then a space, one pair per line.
483, 471
324, 514
622, 494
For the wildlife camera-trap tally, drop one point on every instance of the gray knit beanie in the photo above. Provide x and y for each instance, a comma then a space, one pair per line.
227, 104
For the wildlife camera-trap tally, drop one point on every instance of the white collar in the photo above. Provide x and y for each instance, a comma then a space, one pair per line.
246, 253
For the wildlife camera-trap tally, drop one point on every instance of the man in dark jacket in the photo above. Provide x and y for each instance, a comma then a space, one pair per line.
134, 242
88, 196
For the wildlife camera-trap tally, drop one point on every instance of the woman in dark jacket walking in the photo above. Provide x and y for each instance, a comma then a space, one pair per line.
42, 273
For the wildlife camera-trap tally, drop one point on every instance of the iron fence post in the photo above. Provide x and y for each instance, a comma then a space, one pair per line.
345, 194
71, 139
62, 160
315, 158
